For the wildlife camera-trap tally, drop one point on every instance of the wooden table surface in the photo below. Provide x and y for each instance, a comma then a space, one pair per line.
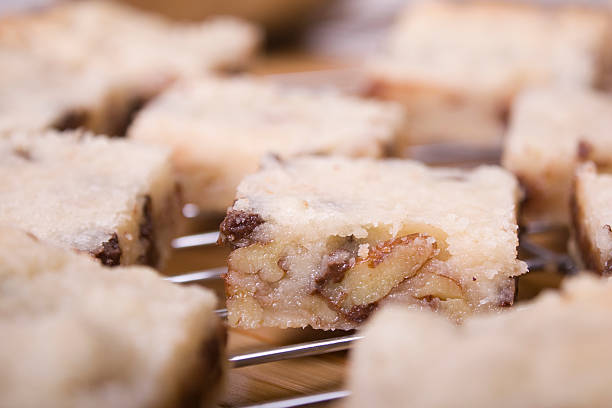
292, 378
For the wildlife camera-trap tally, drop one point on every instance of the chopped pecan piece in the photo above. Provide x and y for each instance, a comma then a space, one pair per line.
353, 285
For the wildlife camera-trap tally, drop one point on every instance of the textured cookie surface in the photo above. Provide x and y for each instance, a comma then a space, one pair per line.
38, 94
494, 47
552, 352
220, 129
81, 33
115, 199
325, 241
76, 334
73, 56
457, 65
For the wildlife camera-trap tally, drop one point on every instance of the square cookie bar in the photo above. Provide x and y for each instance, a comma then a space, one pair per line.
39, 95
114, 199
592, 219
325, 241
457, 65
550, 131
553, 352
76, 334
129, 68
219, 129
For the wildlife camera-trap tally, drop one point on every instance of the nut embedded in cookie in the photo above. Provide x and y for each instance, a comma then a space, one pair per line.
337, 238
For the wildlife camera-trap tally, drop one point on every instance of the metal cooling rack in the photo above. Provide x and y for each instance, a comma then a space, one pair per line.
538, 258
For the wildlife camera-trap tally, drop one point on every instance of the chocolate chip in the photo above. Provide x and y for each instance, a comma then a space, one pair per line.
110, 252
123, 120
72, 120
237, 227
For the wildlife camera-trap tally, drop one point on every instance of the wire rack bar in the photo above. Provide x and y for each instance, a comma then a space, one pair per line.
196, 240
311, 348
303, 401
198, 276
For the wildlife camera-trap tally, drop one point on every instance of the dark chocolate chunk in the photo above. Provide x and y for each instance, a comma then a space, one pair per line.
150, 255
110, 252
237, 227
123, 120
72, 120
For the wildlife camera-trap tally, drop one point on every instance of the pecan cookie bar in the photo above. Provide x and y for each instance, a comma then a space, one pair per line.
326, 241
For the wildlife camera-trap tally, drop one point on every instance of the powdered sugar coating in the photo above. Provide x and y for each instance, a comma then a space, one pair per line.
489, 48
220, 129
77, 190
81, 33
461, 225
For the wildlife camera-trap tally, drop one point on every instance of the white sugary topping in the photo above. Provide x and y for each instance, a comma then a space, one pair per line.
548, 123
36, 93
220, 129
554, 352
113, 39
321, 197
493, 48
80, 334
75, 189
261, 117
93, 55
